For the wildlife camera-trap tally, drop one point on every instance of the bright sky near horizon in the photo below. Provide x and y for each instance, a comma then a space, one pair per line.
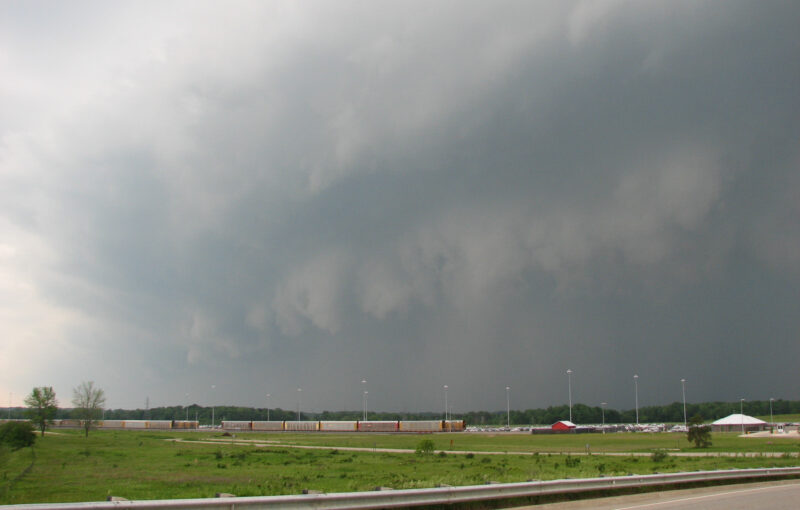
265, 196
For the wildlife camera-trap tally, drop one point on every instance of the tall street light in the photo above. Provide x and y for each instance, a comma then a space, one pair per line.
741, 412
603, 412
445, 402
299, 390
683, 390
508, 408
268, 395
187, 407
569, 384
366, 404
212, 404
364, 399
636, 393
771, 421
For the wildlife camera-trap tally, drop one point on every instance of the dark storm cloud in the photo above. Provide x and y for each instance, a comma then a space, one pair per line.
464, 194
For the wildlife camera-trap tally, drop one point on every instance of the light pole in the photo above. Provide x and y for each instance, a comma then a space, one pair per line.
299, 391
187, 407
364, 399
508, 408
366, 404
268, 395
445, 402
741, 412
603, 414
212, 404
683, 391
569, 385
636, 393
771, 421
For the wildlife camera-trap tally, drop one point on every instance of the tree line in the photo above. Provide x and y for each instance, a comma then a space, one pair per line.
581, 413
669, 413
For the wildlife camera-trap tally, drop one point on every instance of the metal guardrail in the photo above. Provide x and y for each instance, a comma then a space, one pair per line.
416, 497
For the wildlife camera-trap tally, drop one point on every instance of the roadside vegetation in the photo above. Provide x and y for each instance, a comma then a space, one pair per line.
146, 465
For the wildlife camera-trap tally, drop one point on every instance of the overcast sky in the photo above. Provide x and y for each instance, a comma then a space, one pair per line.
263, 196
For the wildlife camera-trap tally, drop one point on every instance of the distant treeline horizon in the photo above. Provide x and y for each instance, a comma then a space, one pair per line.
581, 413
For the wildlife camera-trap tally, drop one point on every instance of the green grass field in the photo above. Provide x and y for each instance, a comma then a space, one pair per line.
560, 443
144, 465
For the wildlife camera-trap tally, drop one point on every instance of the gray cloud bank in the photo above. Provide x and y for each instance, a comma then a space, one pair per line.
266, 196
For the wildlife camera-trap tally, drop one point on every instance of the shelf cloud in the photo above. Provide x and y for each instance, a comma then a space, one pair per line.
266, 196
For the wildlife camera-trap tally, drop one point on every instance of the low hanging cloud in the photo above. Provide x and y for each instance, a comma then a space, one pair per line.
278, 195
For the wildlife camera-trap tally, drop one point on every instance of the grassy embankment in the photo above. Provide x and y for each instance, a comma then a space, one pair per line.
559, 443
142, 465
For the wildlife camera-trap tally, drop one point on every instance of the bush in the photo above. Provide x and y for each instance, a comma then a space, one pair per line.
659, 456
425, 447
17, 434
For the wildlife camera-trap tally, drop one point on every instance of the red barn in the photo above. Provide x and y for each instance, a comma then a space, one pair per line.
563, 425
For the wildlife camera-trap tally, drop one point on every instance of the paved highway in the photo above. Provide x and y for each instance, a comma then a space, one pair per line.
782, 495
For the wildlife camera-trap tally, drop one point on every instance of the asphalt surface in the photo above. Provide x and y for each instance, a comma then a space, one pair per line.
781, 495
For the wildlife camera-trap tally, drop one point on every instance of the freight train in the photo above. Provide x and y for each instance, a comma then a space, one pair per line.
420, 426
346, 426
131, 424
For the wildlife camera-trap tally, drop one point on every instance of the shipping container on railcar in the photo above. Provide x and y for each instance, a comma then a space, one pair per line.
378, 426
183, 424
111, 424
67, 423
237, 425
268, 426
134, 424
301, 425
455, 425
338, 426
421, 426
159, 424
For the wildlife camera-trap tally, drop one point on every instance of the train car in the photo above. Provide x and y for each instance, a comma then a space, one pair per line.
421, 426
268, 426
158, 424
455, 425
111, 424
338, 426
134, 424
67, 423
184, 424
378, 426
304, 426
237, 425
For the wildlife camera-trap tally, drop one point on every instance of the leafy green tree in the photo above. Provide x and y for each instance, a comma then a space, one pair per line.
17, 434
89, 402
699, 434
42, 406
